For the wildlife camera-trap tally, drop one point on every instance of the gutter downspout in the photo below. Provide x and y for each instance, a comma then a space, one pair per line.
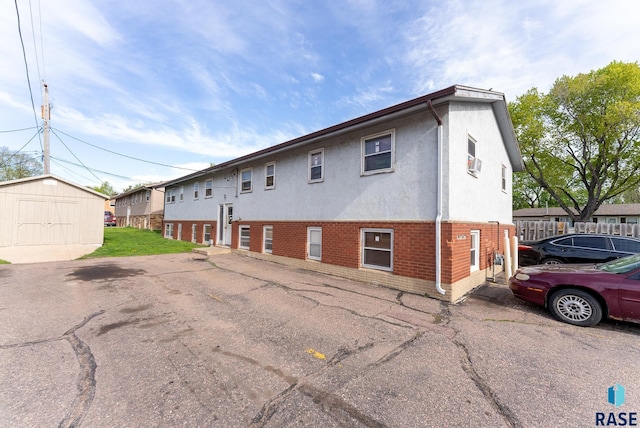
438, 203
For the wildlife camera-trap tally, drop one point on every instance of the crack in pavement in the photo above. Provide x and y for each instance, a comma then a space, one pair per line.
467, 365
86, 378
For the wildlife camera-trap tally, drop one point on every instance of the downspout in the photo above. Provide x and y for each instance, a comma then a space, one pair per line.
439, 204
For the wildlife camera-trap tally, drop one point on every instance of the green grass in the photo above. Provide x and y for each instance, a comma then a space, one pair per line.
127, 241
4, 262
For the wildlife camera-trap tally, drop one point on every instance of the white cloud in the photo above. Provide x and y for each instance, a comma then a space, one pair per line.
317, 77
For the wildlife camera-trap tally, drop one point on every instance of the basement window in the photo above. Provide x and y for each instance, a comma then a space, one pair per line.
244, 237
377, 249
475, 250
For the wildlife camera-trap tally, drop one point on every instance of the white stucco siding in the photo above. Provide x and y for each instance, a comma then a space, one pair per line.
477, 198
407, 193
203, 208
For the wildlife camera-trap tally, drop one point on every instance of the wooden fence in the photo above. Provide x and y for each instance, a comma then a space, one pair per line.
533, 230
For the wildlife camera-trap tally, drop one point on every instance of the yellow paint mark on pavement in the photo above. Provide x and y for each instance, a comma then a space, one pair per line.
316, 354
215, 297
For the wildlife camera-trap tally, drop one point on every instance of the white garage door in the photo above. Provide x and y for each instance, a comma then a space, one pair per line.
42, 222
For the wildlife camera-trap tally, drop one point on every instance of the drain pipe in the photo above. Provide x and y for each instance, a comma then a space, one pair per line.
439, 204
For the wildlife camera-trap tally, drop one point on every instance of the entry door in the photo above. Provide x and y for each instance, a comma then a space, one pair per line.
224, 220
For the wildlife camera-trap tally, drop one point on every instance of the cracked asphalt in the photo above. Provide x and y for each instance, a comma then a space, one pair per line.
179, 340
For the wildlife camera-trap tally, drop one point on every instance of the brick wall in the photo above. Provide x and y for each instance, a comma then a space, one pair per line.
186, 230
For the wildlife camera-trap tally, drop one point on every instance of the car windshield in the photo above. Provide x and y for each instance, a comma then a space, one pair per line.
622, 265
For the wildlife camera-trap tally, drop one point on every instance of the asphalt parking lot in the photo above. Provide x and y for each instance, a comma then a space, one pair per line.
179, 340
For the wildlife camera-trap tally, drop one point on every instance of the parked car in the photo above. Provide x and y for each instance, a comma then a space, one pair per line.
583, 294
576, 248
109, 219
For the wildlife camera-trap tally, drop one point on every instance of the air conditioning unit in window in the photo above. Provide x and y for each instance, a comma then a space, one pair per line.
475, 166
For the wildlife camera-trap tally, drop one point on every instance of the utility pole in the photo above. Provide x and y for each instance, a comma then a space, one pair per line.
46, 115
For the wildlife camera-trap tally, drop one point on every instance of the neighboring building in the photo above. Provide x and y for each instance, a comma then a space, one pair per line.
142, 208
608, 213
110, 205
415, 197
48, 210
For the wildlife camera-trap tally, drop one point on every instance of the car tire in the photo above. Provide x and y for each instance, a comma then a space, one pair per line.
551, 261
575, 307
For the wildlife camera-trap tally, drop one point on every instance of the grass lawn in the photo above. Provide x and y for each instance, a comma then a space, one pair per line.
127, 241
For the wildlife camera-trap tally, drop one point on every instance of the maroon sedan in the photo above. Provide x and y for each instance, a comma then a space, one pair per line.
583, 294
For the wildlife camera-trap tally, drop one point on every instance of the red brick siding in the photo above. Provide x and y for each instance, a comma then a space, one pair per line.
186, 230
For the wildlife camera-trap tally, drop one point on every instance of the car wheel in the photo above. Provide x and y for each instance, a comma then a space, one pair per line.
552, 261
576, 307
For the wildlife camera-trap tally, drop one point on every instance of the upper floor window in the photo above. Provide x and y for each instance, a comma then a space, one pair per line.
208, 188
378, 152
270, 175
170, 196
148, 195
181, 193
504, 178
316, 165
245, 177
196, 190
473, 163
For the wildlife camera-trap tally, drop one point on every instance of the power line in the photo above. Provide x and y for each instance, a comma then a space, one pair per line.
26, 66
97, 170
18, 130
6, 162
35, 46
74, 155
125, 156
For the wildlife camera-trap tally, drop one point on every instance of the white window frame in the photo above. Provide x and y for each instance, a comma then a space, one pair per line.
196, 190
208, 188
181, 197
392, 151
504, 178
205, 233
266, 240
363, 233
170, 196
242, 180
168, 230
311, 243
474, 258
194, 233
470, 156
267, 175
321, 165
240, 230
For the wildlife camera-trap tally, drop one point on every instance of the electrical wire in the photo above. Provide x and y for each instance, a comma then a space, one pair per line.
6, 162
97, 170
35, 46
26, 66
126, 156
18, 130
74, 155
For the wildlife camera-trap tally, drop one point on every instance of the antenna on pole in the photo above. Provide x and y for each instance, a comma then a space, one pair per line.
46, 115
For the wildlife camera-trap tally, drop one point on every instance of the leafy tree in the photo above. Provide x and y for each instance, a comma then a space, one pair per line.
581, 141
105, 188
133, 187
15, 165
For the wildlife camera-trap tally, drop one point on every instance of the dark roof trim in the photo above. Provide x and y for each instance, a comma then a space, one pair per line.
138, 189
455, 92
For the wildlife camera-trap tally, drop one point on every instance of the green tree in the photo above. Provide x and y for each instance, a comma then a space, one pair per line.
15, 165
581, 141
105, 188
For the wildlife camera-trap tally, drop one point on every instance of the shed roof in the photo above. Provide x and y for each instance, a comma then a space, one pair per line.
51, 177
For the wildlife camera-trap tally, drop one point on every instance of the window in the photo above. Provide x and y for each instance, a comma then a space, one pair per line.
194, 233
196, 190
267, 244
377, 152
206, 232
245, 183
171, 196
475, 250
270, 174
586, 241
504, 178
244, 237
377, 248
316, 170
168, 230
626, 245
181, 193
314, 242
208, 188
471, 152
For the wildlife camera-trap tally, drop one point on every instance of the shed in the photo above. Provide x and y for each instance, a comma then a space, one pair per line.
49, 210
